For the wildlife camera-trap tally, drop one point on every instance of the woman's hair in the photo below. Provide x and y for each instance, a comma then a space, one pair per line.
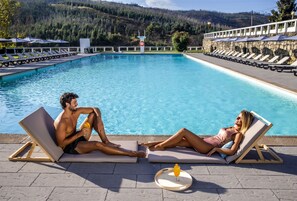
67, 98
246, 119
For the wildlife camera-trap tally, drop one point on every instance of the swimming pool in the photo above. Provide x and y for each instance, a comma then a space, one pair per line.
146, 94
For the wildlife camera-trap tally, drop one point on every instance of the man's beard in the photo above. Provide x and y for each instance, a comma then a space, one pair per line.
72, 109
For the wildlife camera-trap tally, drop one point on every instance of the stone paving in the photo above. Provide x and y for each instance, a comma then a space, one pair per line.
120, 181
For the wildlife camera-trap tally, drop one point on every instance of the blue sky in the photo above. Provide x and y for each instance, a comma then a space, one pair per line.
230, 6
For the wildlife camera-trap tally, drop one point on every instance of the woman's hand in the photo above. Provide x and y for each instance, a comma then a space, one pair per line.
212, 151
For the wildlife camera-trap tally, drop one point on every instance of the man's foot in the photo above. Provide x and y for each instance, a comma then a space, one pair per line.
112, 144
156, 148
138, 154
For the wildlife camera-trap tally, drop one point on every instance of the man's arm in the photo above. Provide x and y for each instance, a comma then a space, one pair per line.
62, 140
88, 110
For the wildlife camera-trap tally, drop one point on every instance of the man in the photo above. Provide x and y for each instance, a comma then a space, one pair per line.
77, 142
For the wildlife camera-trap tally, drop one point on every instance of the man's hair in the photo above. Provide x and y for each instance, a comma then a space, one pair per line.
67, 98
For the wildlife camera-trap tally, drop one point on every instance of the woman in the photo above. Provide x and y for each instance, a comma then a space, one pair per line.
209, 145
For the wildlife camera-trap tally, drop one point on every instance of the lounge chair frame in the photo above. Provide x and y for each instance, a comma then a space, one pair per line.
28, 157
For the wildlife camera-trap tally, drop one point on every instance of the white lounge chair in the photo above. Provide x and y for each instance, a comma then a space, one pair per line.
249, 61
281, 68
282, 61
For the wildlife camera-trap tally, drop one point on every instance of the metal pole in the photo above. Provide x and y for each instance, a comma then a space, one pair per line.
252, 18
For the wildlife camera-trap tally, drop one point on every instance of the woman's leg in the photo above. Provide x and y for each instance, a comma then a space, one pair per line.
89, 146
185, 138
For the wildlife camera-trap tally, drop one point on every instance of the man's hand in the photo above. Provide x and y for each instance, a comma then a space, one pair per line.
86, 132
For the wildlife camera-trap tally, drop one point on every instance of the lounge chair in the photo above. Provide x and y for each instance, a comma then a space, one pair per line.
33, 58
40, 127
243, 56
234, 56
295, 72
282, 61
248, 61
15, 61
4, 62
24, 57
249, 144
261, 60
281, 68
210, 53
245, 59
228, 54
220, 53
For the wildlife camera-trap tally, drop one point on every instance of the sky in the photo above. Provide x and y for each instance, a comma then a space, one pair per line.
227, 6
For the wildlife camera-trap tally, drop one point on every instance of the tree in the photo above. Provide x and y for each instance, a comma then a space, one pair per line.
8, 10
285, 10
180, 40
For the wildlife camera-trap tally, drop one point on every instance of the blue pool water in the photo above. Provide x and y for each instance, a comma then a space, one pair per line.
146, 94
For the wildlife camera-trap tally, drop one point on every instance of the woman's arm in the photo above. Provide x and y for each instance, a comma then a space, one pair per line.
232, 150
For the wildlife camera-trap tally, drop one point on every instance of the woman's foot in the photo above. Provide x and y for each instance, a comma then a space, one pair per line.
149, 144
157, 147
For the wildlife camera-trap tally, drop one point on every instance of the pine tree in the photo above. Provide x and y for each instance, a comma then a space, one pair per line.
285, 10
8, 9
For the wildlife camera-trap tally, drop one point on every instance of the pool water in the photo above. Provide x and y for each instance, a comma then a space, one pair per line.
146, 94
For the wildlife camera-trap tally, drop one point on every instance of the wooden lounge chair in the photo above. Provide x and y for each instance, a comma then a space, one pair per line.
40, 127
281, 68
249, 144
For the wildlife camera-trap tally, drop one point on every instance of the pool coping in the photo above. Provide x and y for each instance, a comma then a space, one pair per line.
9, 72
268, 140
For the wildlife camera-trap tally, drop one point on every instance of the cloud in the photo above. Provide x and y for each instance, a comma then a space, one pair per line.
167, 4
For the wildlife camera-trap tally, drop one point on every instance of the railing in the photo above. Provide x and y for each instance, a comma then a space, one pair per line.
283, 27
99, 49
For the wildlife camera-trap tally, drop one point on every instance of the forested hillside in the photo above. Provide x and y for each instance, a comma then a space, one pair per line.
108, 23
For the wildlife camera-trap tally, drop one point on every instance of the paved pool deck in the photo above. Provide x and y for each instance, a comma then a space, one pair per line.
126, 182
135, 181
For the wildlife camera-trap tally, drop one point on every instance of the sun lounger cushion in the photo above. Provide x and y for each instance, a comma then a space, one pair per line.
182, 155
40, 127
255, 130
97, 156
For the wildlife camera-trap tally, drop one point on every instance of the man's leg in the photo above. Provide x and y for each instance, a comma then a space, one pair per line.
89, 146
96, 122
